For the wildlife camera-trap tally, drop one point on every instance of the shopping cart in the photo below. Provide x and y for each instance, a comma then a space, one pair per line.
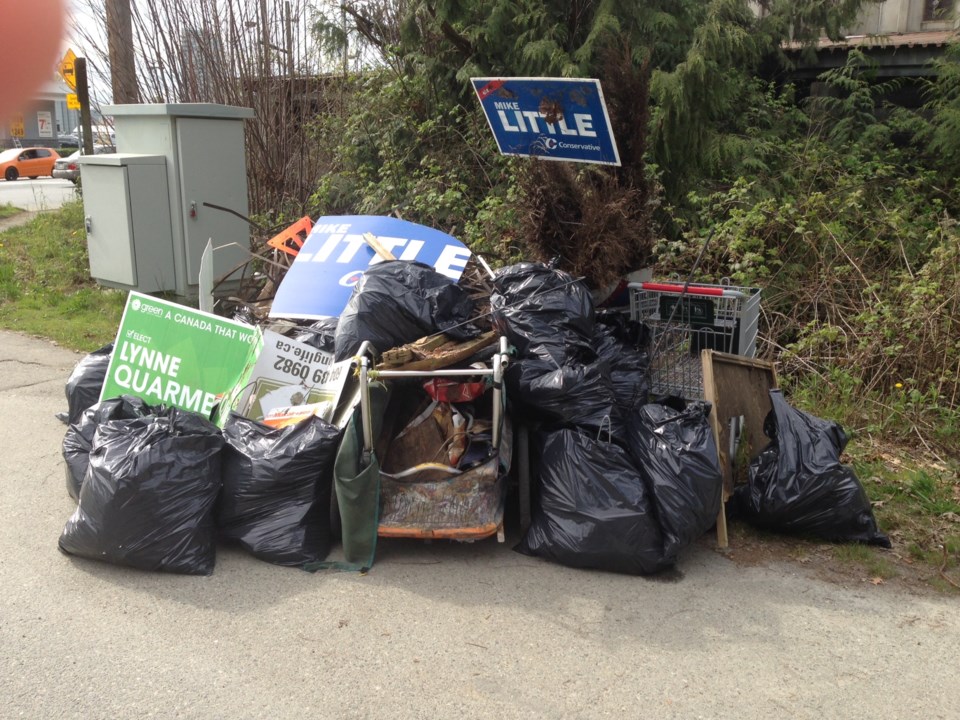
686, 319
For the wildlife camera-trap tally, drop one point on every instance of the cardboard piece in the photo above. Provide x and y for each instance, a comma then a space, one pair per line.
288, 373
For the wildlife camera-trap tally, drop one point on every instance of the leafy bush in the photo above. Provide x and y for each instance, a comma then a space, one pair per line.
407, 153
843, 214
859, 257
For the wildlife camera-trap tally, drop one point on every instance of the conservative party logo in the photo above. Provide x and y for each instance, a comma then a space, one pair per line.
543, 145
351, 278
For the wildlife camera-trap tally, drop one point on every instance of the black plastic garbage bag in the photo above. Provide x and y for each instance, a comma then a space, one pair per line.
397, 302
85, 383
148, 497
630, 332
677, 456
276, 488
575, 394
535, 305
624, 344
594, 510
798, 485
321, 334
79, 438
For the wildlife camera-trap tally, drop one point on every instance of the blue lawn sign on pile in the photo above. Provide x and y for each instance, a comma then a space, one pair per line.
335, 255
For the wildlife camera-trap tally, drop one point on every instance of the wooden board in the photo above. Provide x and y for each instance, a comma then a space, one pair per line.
736, 387
434, 352
378, 247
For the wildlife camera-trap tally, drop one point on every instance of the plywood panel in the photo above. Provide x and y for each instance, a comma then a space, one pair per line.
736, 387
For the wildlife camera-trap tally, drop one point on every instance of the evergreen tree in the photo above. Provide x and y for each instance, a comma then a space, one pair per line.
682, 70
944, 109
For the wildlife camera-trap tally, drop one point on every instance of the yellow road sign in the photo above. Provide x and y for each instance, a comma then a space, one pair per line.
73, 102
67, 71
16, 125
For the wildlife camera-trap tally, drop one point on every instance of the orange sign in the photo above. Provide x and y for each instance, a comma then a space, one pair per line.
291, 239
16, 125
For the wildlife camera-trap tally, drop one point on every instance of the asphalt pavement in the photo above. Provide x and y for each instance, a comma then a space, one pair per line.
35, 195
443, 630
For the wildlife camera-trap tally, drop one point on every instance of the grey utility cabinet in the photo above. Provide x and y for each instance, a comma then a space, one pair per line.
128, 224
202, 150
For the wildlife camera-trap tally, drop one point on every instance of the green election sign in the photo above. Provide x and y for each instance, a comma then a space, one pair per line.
174, 355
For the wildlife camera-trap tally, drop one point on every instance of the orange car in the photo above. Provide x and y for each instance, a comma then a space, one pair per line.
32, 162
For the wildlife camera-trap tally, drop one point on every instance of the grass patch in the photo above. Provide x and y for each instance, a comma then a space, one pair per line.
903, 417
917, 503
45, 284
874, 565
7, 210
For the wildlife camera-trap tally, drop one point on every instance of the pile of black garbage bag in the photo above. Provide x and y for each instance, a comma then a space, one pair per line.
623, 484
157, 487
397, 302
85, 383
797, 484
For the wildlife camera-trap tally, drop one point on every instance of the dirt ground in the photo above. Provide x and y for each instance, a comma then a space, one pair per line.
16, 220
845, 565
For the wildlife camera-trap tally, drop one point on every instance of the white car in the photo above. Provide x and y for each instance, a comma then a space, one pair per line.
69, 169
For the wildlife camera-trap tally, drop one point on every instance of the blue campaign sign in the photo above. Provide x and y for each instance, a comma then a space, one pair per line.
549, 118
334, 256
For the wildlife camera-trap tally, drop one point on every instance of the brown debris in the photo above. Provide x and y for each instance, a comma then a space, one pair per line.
597, 221
434, 352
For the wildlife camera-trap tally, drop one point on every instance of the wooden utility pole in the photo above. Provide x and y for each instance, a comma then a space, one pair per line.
123, 72
83, 97
265, 39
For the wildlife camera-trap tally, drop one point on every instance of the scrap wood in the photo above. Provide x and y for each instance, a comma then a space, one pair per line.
413, 351
476, 277
254, 256
378, 247
478, 286
735, 386
434, 352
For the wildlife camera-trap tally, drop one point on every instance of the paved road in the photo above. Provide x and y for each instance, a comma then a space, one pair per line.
39, 194
433, 631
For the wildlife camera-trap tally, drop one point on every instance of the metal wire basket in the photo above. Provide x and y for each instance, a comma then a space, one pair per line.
684, 321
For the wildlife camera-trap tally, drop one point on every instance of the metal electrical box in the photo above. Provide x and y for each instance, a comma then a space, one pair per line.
201, 146
128, 225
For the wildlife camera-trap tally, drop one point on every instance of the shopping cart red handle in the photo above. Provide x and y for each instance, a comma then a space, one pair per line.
691, 289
